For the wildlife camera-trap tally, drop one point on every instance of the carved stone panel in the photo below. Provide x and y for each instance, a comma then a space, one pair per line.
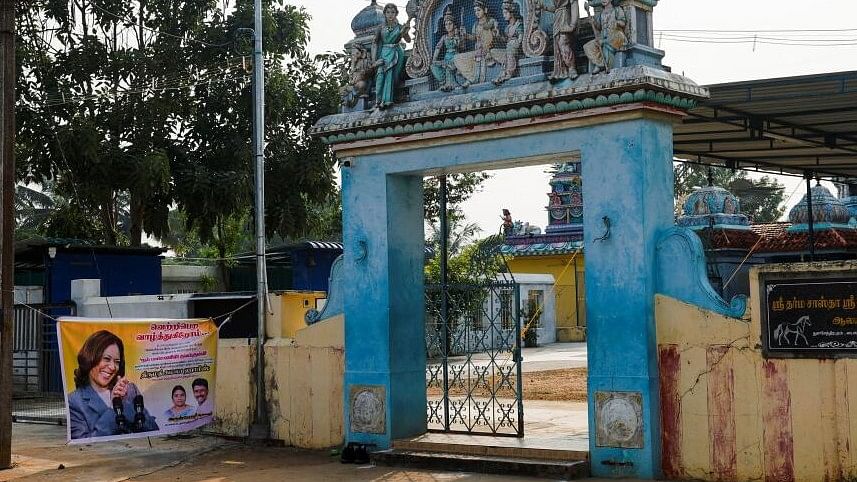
619, 419
368, 408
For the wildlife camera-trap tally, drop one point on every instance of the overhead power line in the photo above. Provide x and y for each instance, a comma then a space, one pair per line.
757, 30
785, 37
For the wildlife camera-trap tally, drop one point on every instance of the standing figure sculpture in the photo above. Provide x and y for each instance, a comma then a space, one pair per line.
474, 65
514, 36
610, 37
389, 55
566, 15
443, 68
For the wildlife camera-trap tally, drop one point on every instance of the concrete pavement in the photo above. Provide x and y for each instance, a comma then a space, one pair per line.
40, 451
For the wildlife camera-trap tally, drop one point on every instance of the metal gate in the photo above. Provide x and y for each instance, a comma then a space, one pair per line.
37, 394
473, 345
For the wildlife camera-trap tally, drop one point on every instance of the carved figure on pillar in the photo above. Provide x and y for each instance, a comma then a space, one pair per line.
609, 22
514, 36
359, 78
474, 65
566, 16
389, 56
443, 65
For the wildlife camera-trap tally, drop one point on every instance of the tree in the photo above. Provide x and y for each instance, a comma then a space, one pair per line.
761, 199
93, 119
460, 187
140, 105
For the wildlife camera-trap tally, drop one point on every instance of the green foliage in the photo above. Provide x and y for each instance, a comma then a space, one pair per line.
761, 199
208, 282
127, 117
460, 187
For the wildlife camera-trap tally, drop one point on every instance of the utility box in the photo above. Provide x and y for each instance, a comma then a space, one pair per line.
288, 309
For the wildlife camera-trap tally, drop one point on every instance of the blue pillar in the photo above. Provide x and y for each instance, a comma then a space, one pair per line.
627, 178
385, 361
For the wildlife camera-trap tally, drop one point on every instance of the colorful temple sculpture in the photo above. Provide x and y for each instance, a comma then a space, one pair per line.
452, 86
558, 251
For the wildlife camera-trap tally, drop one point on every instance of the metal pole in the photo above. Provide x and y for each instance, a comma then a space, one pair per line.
810, 220
519, 359
260, 428
444, 296
7, 232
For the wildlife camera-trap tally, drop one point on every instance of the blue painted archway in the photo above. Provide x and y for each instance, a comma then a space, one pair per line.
619, 124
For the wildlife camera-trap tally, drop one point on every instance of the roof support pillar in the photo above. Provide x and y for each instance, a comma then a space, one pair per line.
810, 217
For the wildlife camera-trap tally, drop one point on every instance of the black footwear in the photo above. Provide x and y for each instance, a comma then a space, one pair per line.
347, 456
361, 455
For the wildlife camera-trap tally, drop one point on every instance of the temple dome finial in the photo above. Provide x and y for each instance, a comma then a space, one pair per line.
368, 19
826, 208
712, 206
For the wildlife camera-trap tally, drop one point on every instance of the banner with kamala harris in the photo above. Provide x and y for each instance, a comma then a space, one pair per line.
136, 378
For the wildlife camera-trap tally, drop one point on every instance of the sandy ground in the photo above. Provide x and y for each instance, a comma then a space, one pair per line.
567, 385
41, 455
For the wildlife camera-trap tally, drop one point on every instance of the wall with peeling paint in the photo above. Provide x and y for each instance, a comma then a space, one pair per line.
729, 414
303, 381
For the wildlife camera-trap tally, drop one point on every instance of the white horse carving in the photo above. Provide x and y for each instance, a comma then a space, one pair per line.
797, 328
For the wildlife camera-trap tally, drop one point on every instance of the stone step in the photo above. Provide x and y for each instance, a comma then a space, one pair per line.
489, 447
483, 464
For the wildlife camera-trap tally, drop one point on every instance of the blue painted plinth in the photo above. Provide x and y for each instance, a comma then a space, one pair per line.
628, 179
383, 297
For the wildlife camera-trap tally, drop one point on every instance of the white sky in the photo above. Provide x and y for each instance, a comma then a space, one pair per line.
523, 191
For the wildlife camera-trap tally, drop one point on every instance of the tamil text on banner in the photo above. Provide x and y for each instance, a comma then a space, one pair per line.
136, 378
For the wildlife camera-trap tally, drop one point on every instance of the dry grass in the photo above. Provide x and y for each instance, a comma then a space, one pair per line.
555, 385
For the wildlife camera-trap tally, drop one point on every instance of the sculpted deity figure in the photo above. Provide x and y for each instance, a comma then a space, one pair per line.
474, 66
514, 36
566, 15
610, 36
443, 66
360, 73
508, 226
389, 56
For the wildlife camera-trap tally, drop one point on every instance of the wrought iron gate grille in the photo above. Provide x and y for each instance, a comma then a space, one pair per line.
473, 374
37, 392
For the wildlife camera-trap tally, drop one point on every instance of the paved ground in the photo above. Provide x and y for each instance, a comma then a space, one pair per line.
41, 451
555, 356
42, 455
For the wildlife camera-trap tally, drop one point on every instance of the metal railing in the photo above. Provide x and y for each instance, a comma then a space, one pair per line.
37, 392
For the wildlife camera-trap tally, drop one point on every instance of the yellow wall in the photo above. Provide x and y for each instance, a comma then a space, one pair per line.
234, 398
730, 414
570, 304
303, 379
287, 312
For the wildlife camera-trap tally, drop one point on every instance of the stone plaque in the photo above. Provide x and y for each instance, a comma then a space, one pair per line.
368, 409
619, 419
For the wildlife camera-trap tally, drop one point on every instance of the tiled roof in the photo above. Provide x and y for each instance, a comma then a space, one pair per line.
730, 238
776, 239
770, 230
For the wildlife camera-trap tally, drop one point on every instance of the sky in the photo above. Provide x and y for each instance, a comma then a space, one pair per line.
523, 191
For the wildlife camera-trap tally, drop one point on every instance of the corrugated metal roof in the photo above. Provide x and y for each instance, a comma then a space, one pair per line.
792, 124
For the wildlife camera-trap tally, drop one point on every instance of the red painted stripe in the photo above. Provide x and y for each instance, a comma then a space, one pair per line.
777, 420
669, 363
721, 409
